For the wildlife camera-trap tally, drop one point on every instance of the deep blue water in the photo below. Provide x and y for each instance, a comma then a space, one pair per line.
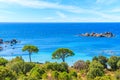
50, 36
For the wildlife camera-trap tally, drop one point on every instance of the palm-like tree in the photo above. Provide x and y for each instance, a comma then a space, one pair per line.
62, 53
31, 49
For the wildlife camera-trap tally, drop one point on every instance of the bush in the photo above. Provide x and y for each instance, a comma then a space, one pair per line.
17, 59
63, 67
80, 65
96, 69
3, 62
118, 64
21, 67
56, 66
117, 75
22, 77
64, 76
73, 75
113, 62
6, 74
103, 78
103, 60
94, 72
45, 76
87, 63
96, 64
36, 73
55, 75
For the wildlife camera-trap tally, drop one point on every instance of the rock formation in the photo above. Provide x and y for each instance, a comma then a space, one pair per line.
106, 34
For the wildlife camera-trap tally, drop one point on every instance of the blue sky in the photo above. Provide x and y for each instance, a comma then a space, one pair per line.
59, 10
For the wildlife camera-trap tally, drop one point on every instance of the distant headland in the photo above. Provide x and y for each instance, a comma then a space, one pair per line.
93, 34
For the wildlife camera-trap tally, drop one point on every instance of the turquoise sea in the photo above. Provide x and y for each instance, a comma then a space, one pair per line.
50, 36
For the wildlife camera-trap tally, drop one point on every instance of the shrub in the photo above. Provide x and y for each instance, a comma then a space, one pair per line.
94, 72
73, 75
6, 74
80, 65
117, 75
22, 77
118, 64
55, 75
36, 73
17, 59
21, 67
113, 62
64, 76
95, 69
103, 60
87, 63
63, 67
96, 64
56, 66
103, 78
45, 76
3, 61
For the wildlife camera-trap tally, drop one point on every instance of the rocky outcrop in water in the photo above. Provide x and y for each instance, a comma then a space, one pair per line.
106, 34
7, 43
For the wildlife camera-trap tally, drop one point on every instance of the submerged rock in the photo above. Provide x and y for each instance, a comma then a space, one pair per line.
1, 48
1, 41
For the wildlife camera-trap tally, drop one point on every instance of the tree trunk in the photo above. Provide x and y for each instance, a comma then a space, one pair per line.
30, 56
63, 59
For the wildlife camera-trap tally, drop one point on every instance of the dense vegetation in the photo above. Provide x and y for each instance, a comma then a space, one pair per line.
18, 69
99, 68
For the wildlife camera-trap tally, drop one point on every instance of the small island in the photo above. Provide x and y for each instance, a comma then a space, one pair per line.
93, 34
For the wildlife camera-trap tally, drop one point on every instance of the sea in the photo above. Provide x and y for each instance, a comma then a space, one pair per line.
50, 36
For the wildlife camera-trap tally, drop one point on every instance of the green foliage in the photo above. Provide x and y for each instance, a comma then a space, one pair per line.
45, 76
22, 77
117, 75
36, 73
31, 49
62, 53
3, 62
103, 60
6, 74
87, 65
80, 65
96, 64
94, 72
63, 67
95, 58
73, 74
103, 78
57, 66
20, 67
17, 69
118, 64
95, 69
113, 62
55, 75
64, 76
17, 59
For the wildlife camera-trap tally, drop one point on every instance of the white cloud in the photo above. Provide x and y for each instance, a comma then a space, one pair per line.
116, 10
61, 15
48, 18
107, 2
40, 4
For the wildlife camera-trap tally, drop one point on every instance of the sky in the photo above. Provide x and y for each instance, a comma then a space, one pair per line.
59, 10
